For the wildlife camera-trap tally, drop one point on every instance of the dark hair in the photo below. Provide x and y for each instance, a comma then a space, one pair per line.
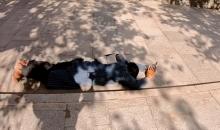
133, 69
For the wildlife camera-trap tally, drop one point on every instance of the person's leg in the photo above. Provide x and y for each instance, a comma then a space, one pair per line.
53, 76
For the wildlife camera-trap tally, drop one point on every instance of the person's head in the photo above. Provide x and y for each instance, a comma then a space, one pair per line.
150, 70
133, 69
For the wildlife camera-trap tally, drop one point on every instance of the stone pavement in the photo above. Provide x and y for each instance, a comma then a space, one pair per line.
185, 108
184, 41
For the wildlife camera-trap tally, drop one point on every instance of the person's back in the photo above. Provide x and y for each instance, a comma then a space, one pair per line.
81, 74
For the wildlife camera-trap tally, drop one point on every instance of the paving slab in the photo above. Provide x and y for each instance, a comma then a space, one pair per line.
183, 40
176, 107
51, 119
170, 63
5, 38
208, 87
52, 98
103, 127
132, 33
184, 48
147, 30
215, 94
172, 70
201, 68
17, 117
8, 59
215, 64
49, 106
174, 36
130, 116
78, 110
148, 26
192, 111
123, 95
159, 45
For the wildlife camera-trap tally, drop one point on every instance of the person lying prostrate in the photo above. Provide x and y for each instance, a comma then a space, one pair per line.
81, 74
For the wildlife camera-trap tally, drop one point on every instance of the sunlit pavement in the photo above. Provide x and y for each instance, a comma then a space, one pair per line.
184, 41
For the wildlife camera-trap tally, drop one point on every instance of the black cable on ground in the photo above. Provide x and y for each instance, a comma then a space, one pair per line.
91, 91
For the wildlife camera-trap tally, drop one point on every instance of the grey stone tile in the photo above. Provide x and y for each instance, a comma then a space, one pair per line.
127, 16
28, 33
103, 127
112, 95
174, 36
132, 94
167, 27
185, 48
52, 98
42, 50
127, 46
11, 99
9, 28
216, 96
159, 46
131, 32
18, 45
94, 113
49, 106
134, 117
216, 64
51, 119
148, 26
77, 114
201, 68
100, 113
18, 16
69, 128
191, 111
169, 91
114, 104
172, 70
4, 40
208, 87
25, 117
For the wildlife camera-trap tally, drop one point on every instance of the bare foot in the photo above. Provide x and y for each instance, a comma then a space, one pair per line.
151, 71
19, 65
